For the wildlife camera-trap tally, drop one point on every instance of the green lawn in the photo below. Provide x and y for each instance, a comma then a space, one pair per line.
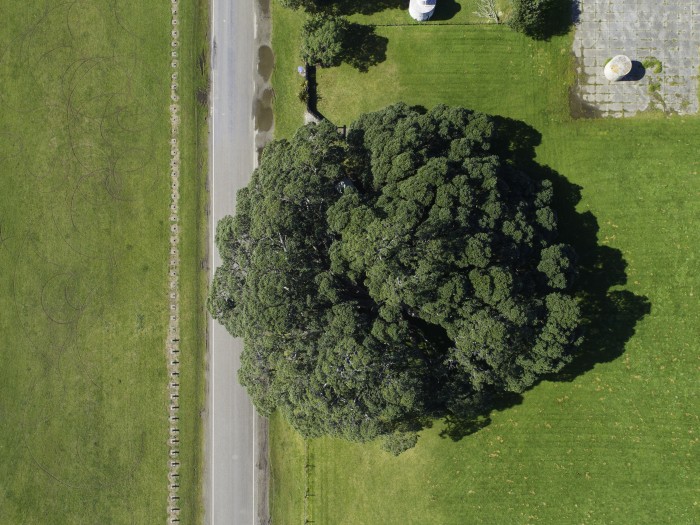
286, 82
84, 207
489, 68
618, 442
447, 12
194, 82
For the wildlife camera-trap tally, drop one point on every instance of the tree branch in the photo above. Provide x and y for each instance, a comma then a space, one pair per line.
487, 9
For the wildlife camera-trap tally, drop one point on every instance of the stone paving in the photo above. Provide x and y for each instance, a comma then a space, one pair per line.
663, 35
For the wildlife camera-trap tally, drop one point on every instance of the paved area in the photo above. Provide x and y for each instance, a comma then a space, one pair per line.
663, 35
236, 490
236, 486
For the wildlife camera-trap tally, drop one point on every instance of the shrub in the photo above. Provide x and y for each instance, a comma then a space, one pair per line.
541, 19
323, 40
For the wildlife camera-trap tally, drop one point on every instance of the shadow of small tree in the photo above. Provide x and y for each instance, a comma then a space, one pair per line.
364, 48
609, 315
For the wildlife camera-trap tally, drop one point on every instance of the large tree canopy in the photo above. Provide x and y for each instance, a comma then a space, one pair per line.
407, 272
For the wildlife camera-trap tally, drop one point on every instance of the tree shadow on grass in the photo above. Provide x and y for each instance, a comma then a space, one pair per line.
363, 7
445, 10
559, 18
312, 96
553, 18
364, 48
610, 315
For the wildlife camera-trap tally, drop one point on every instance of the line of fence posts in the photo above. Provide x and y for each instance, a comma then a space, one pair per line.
307, 483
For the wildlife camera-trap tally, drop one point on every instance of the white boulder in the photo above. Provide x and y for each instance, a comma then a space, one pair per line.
617, 68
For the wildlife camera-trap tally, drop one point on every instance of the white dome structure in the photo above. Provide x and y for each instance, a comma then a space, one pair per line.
421, 10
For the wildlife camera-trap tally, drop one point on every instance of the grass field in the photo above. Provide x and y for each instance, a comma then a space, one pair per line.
286, 82
489, 68
84, 152
193, 247
617, 442
447, 12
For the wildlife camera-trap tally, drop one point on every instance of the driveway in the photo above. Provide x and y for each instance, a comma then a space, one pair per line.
663, 35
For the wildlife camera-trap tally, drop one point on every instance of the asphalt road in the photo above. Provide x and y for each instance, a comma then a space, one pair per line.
230, 490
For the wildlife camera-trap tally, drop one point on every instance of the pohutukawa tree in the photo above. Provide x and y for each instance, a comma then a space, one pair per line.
406, 273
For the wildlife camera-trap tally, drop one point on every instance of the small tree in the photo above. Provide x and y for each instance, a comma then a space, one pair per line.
323, 40
304, 92
308, 5
399, 442
541, 19
487, 9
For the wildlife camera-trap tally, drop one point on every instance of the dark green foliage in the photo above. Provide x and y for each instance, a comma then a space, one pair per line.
408, 272
344, 7
329, 40
399, 442
304, 92
653, 64
307, 5
323, 40
557, 264
541, 19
